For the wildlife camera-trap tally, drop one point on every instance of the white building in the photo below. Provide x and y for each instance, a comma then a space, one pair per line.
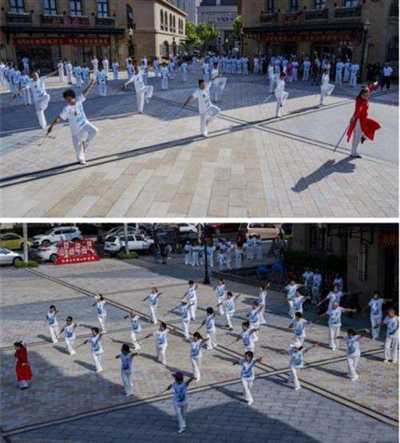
191, 8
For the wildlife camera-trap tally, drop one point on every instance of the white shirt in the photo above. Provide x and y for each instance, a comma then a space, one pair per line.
153, 298
392, 326
95, 344
135, 324
69, 331
196, 349
230, 305
185, 313
161, 338
248, 339
203, 96
296, 358
37, 88
247, 369
75, 115
126, 362
335, 317
299, 327
298, 303
334, 297
210, 323
291, 291
52, 319
220, 291
100, 309
376, 306
353, 346
387, 71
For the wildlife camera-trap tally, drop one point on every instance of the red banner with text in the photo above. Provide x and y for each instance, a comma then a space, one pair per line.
80, 251
62, 41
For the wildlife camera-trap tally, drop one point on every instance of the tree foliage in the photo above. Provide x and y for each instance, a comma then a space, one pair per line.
200, 36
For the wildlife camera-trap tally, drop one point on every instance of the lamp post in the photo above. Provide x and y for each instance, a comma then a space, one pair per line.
25, 235
205, 235
367, 24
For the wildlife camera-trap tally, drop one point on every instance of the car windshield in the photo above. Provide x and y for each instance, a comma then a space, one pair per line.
112, 239
4, 251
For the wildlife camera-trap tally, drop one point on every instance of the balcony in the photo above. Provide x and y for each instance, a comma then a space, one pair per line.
18, 18
108, 22
348, 12
316, 14
51, 20
77, 20
269, 17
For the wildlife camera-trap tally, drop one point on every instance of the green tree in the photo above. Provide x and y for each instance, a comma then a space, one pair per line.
237, 27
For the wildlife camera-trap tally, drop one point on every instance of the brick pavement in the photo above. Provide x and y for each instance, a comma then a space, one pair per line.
157, 165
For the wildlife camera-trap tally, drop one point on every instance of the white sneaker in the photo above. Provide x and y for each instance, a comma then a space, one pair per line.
250, 402
82, 161
297, 388
385, 361
72, 353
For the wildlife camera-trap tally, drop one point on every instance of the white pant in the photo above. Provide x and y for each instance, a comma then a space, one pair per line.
207, 117
102, 321
162, 354
188, 259
143, 96
315, 294
325, 91
126, 378
61, 77
212, 339
26, 97
54, 331
357, 134
153, 312
192, 310
115, 75
392, 348
89, 131
334, 332
97, 361
375, 326
280, 103
229, 316
40, 107
291, 309
180, 411
134, 340
102, 89
299, 340
69, 77
164, 83
353, 80
353, 363
185, 326
70, 345
196, 362
294, 378
338, 79
221, 306
306, 75
247, 385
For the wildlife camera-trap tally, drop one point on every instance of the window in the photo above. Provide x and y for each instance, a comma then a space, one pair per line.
293, 5
129, 17
320, 4
102, 8
171, 25
50, 7
270, 6
17, 6
162, 20
363, 263
350, 3
166, 20
75, 8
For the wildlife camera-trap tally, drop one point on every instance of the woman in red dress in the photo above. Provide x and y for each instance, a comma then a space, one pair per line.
361, 127
22, 367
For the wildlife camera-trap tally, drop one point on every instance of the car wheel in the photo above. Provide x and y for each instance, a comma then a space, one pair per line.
53, 258
45, 243
16, 260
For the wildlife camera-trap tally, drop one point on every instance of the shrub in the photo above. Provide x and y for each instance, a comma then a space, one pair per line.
28, 264
127, 256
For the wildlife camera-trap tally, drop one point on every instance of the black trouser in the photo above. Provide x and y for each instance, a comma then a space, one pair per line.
385, 81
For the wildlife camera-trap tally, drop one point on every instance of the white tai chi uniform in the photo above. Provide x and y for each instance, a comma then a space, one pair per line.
105, 64
291, 291
353, 355
254, 320
102, 82
81, 128
334, 323
211, 332
392, 338
220, 292
40, 99
136, 327
191, 297
334, 297
339, 73
60, 68
195, 354
126, 372
353, 74
316, 287
281, 96
299, 329
185, 313
53, 326
143, 92
262, 300
69, 337
164, 73
247, 376
24, 81
326, 88
153, 303
207, 110
248, 340
218, 84
180, 403
101, 314
95, 64
375, 305
161, 338
271, 79
184, 70
346, 72
97, 351
115, 70
296, 362
69, 69
188, 254
229, 306
306, 70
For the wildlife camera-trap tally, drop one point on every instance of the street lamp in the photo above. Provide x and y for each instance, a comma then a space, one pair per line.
366, 26
205, 237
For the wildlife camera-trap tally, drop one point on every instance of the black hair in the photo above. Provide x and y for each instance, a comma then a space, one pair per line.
96, 330
210, 310
246, 323
178, 377
351, 331
198, 335
298, 314
69, 93
69, 318
191, 282
125, 348
363, 91
249, 354
163, 325
52, 307
201, 81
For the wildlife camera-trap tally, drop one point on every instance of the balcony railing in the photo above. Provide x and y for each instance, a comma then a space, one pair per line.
269, 17
16, 18
53, 20
77, 20
105, 21
317, 14
348, 12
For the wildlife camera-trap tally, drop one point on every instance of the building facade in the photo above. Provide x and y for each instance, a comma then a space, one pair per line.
370, 251
221, 14
160, 28
367, 31
191, 7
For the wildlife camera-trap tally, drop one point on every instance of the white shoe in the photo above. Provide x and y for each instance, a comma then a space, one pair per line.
250, 402
180, 431
82, 161
297, 388
355, 378
99, 370
72, 353
385, 361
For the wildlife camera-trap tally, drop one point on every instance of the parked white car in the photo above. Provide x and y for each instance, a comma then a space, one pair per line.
57, 234
136, 242
8, 257
119, 231
187, 227
46, 252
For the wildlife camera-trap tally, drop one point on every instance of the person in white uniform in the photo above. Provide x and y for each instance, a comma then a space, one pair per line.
335, 323
191, 298
106, 65
161, 342
60, 69
220, 292
52, 322
298, 325
229, 308
218, 83
95, 64
136, 327
271, 78
291, 291
209, 322
25, 64
184, 70
69, 334
306, 69
391, 321
353, 352
354, 69
375, 306
153, 299
247, 374
262, 301
164, 75
339, 72
248, 336
197, 343
101, 311
102, 81
326, 87
115, 70
280, 94
126, 357
143, 92
69, 70
333, 297
83, 132
24, 81
96, 348
179, 388
186, 318
296, 362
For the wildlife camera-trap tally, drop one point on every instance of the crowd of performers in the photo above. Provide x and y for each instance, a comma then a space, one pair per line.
218, 318
31, 88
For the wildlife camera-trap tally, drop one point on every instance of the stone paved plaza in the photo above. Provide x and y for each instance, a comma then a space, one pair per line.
157, 164
69, 402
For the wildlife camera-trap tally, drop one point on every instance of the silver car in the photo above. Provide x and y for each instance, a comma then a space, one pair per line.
8, 257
